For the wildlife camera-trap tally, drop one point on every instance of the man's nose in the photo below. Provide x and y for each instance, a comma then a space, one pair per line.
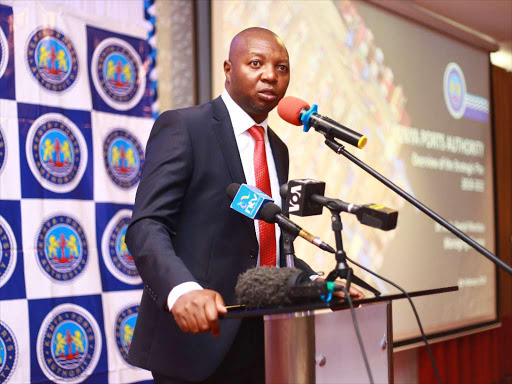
269, 74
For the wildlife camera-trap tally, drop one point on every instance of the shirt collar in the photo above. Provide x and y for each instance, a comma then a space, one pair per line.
240, 120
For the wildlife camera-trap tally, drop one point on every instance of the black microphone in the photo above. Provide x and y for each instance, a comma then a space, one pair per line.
304, 197
377, 216
301, 288
273, 287
297, 112
271, 213
297, 196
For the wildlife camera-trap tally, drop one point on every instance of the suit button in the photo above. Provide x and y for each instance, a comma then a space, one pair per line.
253, 253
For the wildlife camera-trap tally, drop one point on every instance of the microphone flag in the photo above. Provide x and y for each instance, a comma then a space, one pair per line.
248, 201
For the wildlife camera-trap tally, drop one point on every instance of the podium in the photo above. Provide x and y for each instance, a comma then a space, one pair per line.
316, 342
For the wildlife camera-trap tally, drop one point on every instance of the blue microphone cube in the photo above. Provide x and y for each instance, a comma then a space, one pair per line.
248, 201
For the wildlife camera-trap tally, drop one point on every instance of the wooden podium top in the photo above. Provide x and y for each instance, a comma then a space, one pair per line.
239, 311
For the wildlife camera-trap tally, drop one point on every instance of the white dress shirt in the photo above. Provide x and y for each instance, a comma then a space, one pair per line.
241, 122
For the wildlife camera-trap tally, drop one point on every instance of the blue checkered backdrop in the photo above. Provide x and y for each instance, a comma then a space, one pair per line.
75, 115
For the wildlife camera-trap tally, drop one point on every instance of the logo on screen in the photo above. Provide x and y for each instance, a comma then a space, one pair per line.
8, 252
56, 152
61, 248
454, 88
68, 344
4, 53
123, 157
3, 150
8, 352
118, 74
116, 255
124, 327
52, 59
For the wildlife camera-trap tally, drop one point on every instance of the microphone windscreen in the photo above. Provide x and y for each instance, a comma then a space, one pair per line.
283, 191
264, 287
289, 109
268, 212
232, 189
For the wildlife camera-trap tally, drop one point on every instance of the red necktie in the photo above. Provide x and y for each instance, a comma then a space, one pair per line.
267, 231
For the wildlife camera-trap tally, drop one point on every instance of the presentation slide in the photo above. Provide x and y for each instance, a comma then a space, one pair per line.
422, 99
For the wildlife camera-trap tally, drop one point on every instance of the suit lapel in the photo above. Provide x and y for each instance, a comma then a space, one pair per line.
280, 157
227, 143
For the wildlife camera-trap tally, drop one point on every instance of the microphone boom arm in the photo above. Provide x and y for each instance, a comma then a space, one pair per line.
340, 150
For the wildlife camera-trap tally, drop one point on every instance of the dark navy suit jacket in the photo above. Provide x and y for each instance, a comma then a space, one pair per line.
183, 229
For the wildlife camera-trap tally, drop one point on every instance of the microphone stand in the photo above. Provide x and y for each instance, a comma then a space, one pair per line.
289, 251
288, 239
342, 270
340, 150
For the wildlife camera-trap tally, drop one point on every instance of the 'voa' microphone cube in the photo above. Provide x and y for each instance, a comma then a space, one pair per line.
298, 198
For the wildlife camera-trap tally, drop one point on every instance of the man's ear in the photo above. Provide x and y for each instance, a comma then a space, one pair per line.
227, 70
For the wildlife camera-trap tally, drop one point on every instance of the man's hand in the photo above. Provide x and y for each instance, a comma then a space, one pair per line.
198, 311
353, 291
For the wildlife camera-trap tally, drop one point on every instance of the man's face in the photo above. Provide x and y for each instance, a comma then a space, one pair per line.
257, 74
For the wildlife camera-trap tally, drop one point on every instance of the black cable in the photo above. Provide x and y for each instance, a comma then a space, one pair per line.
415, 314
358, 334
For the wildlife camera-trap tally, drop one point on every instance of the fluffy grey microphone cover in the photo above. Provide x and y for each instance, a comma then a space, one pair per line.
264, 287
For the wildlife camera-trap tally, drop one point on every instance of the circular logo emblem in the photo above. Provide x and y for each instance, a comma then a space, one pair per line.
4, 52
8, 352
115, 253
123, 158
52, 59
3, 150
61, 248
8, 252
56, 152
68, 344
117, 74
124, 327
454, 87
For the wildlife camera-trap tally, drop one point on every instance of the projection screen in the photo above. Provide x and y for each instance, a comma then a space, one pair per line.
422, 99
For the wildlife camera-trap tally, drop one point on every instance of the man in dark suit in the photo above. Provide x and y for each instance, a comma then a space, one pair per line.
188, 245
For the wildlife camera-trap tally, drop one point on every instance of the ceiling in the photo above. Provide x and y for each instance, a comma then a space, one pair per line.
490, 17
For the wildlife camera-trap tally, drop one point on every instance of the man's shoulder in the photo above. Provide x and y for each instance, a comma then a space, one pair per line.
195, 114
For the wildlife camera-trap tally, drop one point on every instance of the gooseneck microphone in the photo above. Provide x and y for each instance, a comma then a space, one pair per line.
271, 213
297, 112
273, 287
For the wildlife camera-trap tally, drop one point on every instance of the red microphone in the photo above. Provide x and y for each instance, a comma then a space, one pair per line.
297, 112
290, 109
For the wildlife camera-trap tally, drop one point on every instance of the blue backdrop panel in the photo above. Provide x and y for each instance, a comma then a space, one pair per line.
68, 340
115, 62
7, 90
55, 144
75, 114
117, 267
12, 279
